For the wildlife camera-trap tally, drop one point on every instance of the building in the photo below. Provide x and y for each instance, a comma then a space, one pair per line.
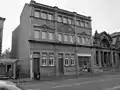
106, 50
1, 32
5, 64
51, 41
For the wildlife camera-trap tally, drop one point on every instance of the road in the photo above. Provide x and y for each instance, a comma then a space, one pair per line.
108, 82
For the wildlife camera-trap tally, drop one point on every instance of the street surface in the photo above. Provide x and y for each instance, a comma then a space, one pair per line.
108, 82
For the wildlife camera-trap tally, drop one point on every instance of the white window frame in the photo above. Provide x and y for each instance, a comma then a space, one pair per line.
70, 21
66, 59
37, 14
86, 24
34, 34
65, 20
60, 38
51, 37
78, 22
50, 16
71, 38
51, 58
72, 58
42, 15
59, 18
45, 35
44, 58
66, 37
82, 23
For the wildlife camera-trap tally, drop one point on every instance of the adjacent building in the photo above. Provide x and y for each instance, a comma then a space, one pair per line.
51, 41
106, 50
1, 32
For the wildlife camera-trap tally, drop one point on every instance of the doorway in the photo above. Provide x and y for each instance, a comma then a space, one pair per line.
61, 63
36, 63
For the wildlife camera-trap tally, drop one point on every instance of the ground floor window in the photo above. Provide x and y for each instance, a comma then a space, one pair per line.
44, 59
51, 59
66, 63
72, 60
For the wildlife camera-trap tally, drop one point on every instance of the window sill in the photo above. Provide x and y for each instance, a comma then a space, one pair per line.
47, 66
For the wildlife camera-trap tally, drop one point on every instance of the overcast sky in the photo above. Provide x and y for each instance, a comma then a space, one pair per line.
105, 14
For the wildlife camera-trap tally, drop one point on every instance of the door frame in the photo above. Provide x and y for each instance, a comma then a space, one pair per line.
62, 63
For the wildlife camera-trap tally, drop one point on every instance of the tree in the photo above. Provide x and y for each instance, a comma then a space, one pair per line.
6, 53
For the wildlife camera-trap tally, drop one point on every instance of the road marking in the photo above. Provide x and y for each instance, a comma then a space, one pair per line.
83, 83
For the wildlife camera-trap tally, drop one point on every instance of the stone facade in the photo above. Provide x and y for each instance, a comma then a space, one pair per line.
106, 52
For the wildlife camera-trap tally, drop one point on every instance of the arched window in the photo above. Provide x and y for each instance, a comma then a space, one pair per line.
105, 43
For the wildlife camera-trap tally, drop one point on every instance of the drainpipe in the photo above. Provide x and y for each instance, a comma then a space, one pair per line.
31, 67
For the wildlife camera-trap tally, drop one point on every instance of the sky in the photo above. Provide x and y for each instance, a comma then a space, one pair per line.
105, 14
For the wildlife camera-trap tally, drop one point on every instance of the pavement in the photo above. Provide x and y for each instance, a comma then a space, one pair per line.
105, 82
82, 75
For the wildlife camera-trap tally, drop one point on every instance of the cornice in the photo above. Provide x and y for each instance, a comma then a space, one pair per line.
56, 9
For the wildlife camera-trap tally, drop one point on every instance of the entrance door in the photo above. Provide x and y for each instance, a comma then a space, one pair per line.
36, 65
61, 64
36, 62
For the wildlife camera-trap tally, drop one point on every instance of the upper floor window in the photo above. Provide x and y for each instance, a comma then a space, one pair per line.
59, 18
44, 35
36, 34
50, 17
65, 37
44, 59
66, 62
51, 36
69, 21
82, 23
83, 40
37, 14
78, 23
86, 24
71, 38
43, 15
79, 39
64, 20
59, 37
51, 59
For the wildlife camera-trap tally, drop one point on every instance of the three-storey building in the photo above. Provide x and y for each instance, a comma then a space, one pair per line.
51, 41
